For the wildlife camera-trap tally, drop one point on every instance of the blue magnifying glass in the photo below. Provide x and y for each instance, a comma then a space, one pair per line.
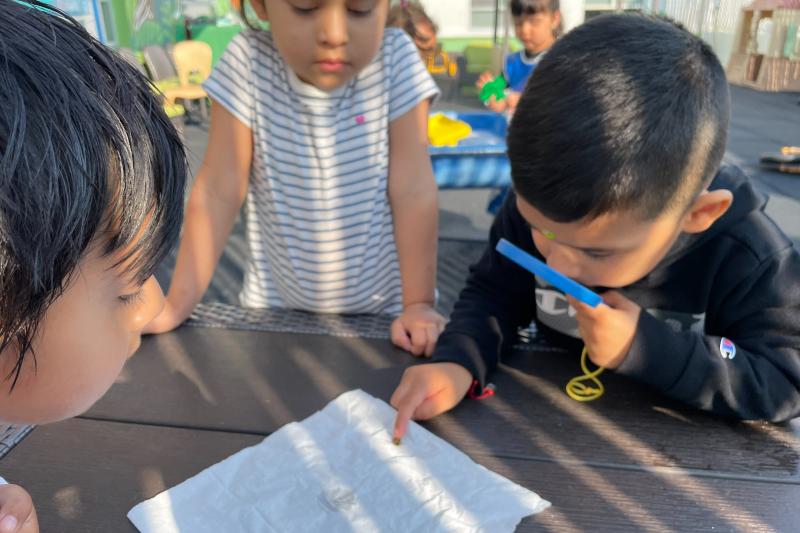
553, 277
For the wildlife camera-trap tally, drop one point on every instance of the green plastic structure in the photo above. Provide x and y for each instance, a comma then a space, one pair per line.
496, 87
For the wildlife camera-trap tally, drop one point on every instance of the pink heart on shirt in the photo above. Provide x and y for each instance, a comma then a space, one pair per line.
360, 119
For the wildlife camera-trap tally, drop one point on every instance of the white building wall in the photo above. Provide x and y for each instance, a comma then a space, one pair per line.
452, 16
454, 19
714, 20
572, 13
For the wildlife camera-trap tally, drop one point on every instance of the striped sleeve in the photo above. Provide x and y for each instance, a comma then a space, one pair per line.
231, 81
410, 81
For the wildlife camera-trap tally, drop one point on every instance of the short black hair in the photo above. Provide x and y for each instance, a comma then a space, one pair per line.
87, 158
521, 8
625, 113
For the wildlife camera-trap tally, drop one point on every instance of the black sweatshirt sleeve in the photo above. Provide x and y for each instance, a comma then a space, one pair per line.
761, 315
498, 298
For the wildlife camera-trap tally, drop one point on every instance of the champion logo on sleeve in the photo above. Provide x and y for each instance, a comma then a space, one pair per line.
726, 348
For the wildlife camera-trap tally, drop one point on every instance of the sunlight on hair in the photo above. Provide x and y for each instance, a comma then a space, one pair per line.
619, 128
696, 168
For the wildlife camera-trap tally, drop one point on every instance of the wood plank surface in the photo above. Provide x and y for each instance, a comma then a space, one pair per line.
85, 475
255, 382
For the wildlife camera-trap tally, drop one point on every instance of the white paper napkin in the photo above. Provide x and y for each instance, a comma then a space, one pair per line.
338, 470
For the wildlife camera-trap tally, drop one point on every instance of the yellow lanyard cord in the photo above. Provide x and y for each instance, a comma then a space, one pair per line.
580, 391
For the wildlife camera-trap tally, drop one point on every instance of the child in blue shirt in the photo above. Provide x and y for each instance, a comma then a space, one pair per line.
537, 23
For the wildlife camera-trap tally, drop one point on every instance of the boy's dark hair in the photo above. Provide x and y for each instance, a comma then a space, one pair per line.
624, 113
521, 8
87, 158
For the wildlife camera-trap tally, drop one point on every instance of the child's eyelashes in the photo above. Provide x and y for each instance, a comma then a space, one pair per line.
358, 9
302, 7
598, 255
131, 298
303, 10
361, 8
360, 12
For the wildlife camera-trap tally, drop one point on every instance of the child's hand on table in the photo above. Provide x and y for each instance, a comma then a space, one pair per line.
428, 390
17, 514
608, 329
167, 320
417, 329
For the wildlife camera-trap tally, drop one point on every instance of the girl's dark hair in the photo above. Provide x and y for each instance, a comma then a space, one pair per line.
408, 16
87, 158
521, 8
532, 7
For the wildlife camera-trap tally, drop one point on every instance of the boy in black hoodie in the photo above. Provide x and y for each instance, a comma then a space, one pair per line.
615, 154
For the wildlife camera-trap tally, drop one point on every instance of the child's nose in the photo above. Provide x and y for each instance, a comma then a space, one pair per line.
152, 303
561, 259
333, 26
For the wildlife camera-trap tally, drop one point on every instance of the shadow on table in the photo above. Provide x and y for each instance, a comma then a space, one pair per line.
618, 454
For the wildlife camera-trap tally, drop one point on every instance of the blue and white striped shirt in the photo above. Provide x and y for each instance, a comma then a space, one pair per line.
319, 224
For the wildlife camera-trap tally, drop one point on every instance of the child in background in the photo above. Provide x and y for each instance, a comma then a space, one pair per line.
92, 179
322, 125
619, 186
411, 18
537, 24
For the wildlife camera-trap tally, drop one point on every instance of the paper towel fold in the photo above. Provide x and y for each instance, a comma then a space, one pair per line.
338, 470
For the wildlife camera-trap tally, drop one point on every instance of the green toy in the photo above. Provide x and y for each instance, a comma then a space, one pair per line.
497, 88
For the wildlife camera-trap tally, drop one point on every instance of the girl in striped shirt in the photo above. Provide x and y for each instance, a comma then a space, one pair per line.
321, 125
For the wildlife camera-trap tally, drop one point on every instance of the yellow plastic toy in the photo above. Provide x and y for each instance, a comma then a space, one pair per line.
446, 131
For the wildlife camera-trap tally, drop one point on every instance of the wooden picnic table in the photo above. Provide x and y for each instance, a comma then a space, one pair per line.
630, 461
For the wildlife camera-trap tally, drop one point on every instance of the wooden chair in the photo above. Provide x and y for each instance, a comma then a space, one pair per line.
192, 60
175, 112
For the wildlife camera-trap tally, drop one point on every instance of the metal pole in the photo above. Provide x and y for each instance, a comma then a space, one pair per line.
496, 17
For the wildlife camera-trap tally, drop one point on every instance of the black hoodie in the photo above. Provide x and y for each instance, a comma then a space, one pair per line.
720, 326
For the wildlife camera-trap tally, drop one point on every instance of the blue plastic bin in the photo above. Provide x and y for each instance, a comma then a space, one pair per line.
479, 161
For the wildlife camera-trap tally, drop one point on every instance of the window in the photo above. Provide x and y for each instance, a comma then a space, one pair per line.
482, 13
107, 18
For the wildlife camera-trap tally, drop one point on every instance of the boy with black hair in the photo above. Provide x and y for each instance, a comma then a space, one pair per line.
615, 154
91, 197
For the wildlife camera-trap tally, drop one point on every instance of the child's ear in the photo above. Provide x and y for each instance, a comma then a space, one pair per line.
556, 23
707, 209
260, 8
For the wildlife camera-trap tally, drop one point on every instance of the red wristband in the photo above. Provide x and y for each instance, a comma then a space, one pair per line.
487, 391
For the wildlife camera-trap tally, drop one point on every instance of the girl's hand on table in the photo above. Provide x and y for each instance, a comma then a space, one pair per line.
417, 329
